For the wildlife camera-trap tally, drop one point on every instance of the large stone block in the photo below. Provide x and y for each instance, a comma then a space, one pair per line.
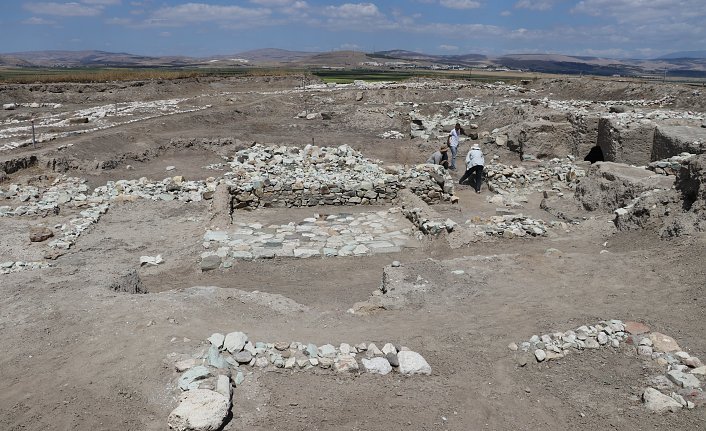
626, 141
670, 141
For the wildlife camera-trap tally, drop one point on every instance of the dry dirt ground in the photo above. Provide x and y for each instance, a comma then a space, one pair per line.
76, 355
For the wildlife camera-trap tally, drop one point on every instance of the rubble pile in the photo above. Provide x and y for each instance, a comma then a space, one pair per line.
281, 176
174, 188
318, 236
391, 134
427, 225
69, 191
554, 174
207, 378
10, 266
509, 226
438, 125
669, 166
683, 371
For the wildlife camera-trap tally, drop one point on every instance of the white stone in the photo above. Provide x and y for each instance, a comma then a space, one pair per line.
327, 351
377, 365
217, 340
373, 350
235, 341
199, 410
602, 338
413, 363
389, 348
657, 402
540, 355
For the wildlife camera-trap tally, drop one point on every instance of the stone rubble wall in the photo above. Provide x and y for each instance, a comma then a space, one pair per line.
72, 193
555, 174
281, 176
52, 126
683, 372
207, 378
670, 165
428, 221
510, 226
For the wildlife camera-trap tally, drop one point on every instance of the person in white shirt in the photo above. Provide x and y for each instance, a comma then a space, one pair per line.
452, 142
474, 167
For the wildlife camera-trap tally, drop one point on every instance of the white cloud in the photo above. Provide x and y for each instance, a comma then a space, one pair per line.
644, 11
119, 21
101, 2
63, 9
191, 13
350, 47
607, 53
37, 21
273, 2
353, 11
535, 4
165, 34
505, 13
448, 48
460, 4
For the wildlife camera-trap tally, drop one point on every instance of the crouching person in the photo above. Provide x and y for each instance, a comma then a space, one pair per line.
440, 157
474, 168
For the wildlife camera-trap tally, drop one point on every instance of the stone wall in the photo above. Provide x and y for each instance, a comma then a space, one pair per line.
280, 176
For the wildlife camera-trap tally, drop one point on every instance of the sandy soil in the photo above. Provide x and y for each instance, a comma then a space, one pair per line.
76, 355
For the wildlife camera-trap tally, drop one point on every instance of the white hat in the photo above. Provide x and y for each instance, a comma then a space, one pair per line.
475, 147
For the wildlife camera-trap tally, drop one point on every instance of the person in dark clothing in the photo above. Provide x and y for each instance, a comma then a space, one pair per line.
474, 168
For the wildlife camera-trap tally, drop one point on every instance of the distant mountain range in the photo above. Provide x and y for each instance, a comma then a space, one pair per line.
686, 63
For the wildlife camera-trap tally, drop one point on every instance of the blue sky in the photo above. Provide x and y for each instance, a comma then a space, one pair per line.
609, 28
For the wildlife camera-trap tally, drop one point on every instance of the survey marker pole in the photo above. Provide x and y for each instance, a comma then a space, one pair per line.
34, 139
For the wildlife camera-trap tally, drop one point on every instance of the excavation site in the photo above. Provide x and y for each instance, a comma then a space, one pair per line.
278, 253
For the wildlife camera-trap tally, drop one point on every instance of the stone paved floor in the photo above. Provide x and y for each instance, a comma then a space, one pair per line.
344, 234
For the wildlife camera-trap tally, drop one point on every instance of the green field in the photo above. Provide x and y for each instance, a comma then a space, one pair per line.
87, 75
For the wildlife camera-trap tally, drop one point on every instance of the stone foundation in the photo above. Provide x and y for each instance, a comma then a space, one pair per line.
280, 176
